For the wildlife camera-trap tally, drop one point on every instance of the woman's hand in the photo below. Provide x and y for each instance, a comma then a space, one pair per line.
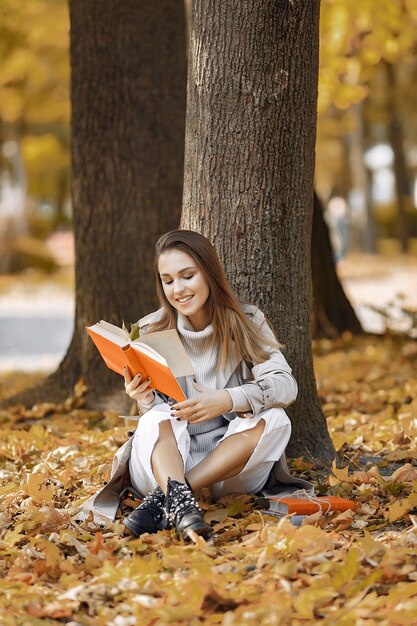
137, 391
208, 404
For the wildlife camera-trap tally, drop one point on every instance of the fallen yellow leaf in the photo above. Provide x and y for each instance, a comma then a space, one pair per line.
36, 488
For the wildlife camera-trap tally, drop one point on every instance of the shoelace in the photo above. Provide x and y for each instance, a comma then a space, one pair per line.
182, 500
305, 495
154, 501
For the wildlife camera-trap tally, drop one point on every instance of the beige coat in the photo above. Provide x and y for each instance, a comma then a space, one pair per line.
267, 385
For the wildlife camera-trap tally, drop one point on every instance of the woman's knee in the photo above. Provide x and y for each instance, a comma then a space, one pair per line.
252, 436
257, 431
165, 429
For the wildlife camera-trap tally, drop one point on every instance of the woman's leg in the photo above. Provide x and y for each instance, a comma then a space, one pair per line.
182, 509
228, 459
172, 504
166, 460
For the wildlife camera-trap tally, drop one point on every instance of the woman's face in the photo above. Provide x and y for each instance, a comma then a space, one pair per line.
185, 286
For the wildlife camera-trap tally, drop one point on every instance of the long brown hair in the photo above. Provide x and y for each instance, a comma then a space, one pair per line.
230, 323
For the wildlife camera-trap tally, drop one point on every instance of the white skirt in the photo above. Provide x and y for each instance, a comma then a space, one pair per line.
251, 479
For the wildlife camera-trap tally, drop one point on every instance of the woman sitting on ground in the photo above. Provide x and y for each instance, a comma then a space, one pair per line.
232, 428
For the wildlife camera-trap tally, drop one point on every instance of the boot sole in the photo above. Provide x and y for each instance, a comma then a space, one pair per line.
203, 531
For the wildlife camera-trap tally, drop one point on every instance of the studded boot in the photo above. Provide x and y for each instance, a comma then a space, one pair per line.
183, 512
148, 517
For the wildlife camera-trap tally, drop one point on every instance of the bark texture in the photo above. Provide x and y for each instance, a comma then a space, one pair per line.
128, 93
333, 314
249, 164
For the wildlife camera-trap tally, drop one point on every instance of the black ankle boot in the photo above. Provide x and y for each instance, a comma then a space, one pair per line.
183, 512
150, 516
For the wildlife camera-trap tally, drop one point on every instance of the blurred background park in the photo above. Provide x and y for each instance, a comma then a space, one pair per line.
366, 168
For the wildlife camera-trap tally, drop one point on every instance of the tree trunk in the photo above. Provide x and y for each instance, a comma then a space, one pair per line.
360, 200
249, 165
128, 93
402, 186
333, 314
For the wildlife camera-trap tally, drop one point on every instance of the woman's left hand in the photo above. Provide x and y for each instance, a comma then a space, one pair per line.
208, 404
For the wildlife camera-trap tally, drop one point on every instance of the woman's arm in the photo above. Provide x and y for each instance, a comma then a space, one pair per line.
273, 384
207, 404
143, 407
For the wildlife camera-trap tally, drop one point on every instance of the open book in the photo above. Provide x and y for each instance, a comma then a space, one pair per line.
159, 356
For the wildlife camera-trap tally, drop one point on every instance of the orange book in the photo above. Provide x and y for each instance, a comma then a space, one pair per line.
159, 356
306, 505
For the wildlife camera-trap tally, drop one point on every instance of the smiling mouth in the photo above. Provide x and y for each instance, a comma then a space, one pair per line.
184, 300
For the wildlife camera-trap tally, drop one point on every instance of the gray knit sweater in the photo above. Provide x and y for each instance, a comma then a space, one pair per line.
204, 355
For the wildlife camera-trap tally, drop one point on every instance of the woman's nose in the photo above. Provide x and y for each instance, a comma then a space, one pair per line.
178, 287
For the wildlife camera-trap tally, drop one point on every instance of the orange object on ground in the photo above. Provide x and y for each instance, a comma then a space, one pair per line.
307, 505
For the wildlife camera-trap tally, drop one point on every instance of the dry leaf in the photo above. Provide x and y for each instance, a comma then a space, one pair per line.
37, 489
399, 509
260, 569
405, 474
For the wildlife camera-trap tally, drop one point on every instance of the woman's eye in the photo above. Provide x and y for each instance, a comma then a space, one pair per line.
167, 282
188, 277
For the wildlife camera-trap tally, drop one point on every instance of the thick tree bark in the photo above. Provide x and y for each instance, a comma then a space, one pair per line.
249, 164
333, 314
128, 94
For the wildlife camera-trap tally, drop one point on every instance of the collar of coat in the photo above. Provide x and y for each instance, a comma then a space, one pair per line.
224, 375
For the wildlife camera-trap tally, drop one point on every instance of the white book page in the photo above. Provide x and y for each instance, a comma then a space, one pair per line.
141, 347
113, 329
109, 334
168, 344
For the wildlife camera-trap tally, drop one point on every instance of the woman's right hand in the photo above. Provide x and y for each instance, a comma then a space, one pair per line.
141, 392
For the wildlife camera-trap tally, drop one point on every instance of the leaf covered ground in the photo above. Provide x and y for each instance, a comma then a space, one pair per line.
352, 568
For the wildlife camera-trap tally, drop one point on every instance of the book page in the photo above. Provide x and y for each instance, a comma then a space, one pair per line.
168, 344
108, 333
147, 350
114, 329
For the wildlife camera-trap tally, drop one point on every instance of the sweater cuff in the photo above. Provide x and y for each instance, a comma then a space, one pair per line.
239, 399
145, 406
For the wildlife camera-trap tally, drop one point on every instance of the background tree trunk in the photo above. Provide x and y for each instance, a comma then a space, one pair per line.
249, 165
396, 135
362, 222
128, 93
333, 314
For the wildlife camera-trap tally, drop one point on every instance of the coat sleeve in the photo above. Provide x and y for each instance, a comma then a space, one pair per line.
273, 384
143, 408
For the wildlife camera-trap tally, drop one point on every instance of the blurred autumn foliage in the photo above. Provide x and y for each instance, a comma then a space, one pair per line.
351, 568
34, 91
354, 39
366, 100
357, 98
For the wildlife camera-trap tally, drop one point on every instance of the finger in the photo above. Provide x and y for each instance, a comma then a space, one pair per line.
181, 415
145, 386
137, 390
134, 382
199, 419
183, 405
193, 417
127, 374
184, 412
